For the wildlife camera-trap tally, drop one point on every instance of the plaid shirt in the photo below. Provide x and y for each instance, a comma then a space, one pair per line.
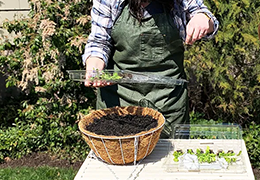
105, 12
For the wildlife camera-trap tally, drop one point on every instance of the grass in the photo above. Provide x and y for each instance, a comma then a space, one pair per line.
40, 173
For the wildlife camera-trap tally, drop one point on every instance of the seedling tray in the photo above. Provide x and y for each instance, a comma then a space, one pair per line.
216, 138
125, 77
183, 144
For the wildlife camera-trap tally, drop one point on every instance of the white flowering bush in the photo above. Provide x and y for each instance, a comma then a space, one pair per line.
47, 43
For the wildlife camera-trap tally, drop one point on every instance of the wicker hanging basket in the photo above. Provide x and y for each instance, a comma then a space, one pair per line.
122, 149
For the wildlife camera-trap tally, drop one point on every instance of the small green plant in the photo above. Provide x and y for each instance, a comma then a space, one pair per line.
230, 156
177, 154
105, 75
208, 156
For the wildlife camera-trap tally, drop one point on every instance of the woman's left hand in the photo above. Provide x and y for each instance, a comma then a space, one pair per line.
199, 26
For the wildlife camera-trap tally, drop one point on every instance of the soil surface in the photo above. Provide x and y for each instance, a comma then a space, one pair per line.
43, 159
115, 125
257, 173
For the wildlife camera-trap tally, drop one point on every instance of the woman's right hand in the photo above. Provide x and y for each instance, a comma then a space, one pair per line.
93, 64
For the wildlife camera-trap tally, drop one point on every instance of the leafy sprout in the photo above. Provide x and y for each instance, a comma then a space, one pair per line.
208, 156
105, 75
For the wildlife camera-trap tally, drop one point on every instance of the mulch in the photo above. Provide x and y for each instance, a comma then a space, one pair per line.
257, 173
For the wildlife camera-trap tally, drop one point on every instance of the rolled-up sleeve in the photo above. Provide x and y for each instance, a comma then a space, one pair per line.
99, 41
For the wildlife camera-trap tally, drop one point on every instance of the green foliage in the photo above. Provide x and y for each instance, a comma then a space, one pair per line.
199, 118
208, 156
8, 112
105, 75
225, 70
177, 154
47, 44
251, 137
39, 130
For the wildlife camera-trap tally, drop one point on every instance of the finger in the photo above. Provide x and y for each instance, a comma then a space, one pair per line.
202, 34
97, 83
87, 80
100, 83
105, 83
88, 83
188, 39
189, 34
195, 35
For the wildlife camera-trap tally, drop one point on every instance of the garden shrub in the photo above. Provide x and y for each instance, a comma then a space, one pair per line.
224, 73
49, 42
251, 137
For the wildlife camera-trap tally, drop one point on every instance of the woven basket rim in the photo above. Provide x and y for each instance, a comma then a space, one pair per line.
142, 133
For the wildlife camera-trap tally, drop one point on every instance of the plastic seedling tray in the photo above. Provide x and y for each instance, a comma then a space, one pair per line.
125, 77
216, 138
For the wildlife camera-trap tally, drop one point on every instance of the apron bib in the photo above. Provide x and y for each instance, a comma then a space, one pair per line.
155, 47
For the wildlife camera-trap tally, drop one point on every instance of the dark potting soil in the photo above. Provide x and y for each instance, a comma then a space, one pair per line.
116, 125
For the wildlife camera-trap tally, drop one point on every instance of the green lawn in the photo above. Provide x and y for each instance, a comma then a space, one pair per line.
41, 173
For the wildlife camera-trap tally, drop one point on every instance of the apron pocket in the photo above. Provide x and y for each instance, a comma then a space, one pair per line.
152, 47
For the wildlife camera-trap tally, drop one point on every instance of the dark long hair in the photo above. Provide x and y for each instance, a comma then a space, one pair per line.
136, 8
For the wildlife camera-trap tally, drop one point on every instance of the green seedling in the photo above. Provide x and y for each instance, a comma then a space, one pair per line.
209, 156
177, 154
190, 151
230, 156
104, 75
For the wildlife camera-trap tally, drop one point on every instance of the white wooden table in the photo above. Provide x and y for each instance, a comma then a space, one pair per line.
154, 167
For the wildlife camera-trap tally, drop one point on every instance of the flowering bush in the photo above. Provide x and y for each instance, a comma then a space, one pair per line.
47, 43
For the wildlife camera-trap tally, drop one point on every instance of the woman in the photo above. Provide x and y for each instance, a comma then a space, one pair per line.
146, 36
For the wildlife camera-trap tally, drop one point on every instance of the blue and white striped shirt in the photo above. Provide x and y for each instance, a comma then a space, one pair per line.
105, 12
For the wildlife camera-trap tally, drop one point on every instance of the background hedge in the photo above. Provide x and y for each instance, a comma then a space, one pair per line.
223, 77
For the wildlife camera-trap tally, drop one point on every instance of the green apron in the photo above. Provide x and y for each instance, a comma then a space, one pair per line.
155, 47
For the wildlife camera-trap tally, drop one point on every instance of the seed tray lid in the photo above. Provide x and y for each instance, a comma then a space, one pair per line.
201, 131
125, 77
